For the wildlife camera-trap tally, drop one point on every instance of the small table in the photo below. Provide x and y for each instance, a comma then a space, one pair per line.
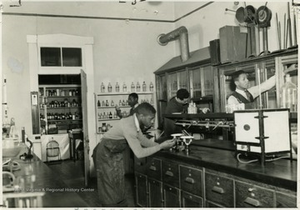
73, 136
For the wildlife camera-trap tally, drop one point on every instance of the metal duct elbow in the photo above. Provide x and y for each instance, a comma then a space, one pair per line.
182, 34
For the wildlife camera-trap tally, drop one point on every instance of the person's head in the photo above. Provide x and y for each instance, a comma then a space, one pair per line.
133, 99
145, 113
182, 96
239, 80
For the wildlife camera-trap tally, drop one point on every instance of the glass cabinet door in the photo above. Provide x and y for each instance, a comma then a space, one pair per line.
262, 70
195, 83
177, 80
207, 81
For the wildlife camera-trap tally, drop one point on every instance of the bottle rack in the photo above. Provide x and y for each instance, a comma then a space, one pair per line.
105, 104
60, 105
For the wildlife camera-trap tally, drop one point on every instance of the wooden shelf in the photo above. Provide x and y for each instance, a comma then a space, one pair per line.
122, 93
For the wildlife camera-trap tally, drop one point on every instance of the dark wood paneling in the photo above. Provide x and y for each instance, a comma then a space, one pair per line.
171, 196
248, 195
191, 180
170, 173
190, 200
219, 189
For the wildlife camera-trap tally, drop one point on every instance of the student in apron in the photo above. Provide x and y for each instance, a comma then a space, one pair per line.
108, 157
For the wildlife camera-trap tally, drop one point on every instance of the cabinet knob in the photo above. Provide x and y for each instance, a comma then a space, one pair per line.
252, 202
189, 180
152, 168
219, 190
169, 173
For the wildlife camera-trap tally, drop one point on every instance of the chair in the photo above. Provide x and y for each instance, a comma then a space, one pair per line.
52, 150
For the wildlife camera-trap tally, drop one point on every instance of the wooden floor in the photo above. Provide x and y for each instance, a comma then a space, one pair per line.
72, 174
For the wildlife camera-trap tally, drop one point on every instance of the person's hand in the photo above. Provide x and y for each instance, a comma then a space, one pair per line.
205, 110
167, 144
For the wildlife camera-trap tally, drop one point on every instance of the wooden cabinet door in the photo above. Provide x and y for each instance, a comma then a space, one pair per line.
190, 200
213, 205
154, 168
141, 190
170, 173
249, 195
155, 193
219, 189
171, 196
285, 200
191, 180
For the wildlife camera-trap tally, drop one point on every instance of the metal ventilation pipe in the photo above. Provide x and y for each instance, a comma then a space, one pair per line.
182, 33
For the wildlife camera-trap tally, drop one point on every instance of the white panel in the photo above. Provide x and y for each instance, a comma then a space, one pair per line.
277, 129
245, 119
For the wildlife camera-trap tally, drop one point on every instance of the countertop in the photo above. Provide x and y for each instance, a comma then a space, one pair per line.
280, 173
57, 193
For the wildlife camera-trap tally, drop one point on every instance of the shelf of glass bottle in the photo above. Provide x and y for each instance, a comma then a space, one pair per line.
67, 120
112, 107
62, 96
123, 93
108, 119
66, 108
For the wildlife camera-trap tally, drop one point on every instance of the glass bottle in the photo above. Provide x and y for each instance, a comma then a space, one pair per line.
102, 88
124, 87
103, 128
151, 86
98, 103
138, 87
132, 87
109, 87
117, 87
110, 115
144, 86
288, 95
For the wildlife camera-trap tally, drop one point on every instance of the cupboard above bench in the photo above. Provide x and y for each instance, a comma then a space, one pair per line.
213, 178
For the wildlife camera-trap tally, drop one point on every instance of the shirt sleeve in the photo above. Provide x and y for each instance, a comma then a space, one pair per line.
134, 142
265, 86
145, 142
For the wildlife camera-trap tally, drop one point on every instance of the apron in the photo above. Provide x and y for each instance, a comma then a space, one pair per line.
108, 161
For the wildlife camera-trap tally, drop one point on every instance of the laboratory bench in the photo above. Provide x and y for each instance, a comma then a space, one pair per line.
211, 176
39, 178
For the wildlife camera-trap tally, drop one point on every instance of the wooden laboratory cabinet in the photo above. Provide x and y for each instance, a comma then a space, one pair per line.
197, 75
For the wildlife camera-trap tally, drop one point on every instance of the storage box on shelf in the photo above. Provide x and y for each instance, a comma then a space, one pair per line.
60, 108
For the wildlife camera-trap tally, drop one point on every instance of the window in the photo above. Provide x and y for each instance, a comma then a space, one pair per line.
56, 56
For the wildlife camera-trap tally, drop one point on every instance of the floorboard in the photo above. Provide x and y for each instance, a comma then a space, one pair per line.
72, 173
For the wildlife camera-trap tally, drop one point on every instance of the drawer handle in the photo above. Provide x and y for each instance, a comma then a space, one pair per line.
189, 180
218, 190
252, 202
169, 173
152, 168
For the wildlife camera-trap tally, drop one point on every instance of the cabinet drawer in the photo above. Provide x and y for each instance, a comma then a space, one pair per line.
170, 173
155, 193
140, 164
191, 180
171, 197
190, 200
219, 189
154, 168
249, 195
141, 190
285, 200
